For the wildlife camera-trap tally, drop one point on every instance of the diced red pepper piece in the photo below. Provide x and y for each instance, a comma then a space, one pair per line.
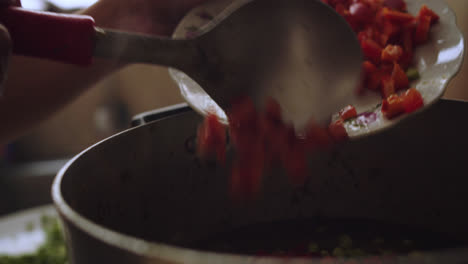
246, 178
426, 11
361, 12
365, 34
412, 100
273, 130
273, 109
369, 67
388, 86
244, 125
261, 138
388, 31
386, 68
338, 131
341, 9
422, 29
407, 37
395, 4
371, 50
399, 77
211, 139
317, 136
392, 106
406, 60
348, 112
391, 53
397, 16
374, 80
295, 163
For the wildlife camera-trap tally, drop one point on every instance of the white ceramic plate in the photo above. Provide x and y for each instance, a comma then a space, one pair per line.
438, 62
21, 233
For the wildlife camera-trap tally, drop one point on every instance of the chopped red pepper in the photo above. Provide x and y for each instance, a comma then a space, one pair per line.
392, 106
338, 131
262, 139
395, 4
422, 29
389, 30
212, 139
246, 178
388, 36
406, 60
369, 67
317, 136
371, 50
388, 86
407, 38
399, 77
341, 9
348, 112
361, 12
385, 23
408, 102
374, 80
426, 11
397, 16
412, 100
391, 53
243, 124
295, 163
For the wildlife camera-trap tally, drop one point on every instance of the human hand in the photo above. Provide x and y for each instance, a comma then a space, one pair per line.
159, 17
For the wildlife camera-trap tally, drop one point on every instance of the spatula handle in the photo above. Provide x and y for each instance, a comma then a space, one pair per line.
138, 48
60, 37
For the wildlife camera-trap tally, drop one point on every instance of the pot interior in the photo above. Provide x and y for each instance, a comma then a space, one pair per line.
148, 183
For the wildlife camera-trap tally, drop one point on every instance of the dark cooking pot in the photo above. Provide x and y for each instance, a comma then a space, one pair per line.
146, 184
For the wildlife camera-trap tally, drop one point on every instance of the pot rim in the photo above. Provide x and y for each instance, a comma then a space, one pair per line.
174, 254
129, 243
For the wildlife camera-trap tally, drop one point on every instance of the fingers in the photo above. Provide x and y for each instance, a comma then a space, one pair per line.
5, 52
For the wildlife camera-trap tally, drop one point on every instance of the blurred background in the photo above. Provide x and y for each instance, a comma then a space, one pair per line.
106, 109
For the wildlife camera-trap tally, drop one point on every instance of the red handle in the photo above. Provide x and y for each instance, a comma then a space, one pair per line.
60, 37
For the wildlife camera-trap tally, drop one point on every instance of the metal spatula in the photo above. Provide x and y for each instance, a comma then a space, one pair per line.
299, 52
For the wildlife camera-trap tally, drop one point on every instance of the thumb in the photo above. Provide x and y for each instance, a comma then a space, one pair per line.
5, 52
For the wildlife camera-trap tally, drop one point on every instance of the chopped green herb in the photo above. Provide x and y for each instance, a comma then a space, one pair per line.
53, 251
412, 74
